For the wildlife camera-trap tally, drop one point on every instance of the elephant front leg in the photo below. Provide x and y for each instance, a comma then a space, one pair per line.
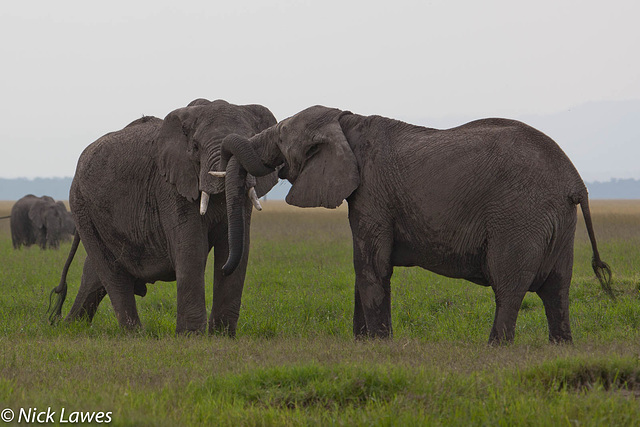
191, 249
372, 308
192, 311
227, 290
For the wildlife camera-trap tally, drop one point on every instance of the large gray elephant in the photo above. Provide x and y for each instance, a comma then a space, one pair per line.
147, 209
492, 201
41, 221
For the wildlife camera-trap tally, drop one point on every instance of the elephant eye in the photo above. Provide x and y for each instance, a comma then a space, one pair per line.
313, 150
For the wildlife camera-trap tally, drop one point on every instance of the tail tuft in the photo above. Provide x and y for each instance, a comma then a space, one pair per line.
55, 312
603, 273
600, 268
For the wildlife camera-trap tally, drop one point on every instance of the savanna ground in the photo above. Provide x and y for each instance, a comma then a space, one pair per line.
295, 361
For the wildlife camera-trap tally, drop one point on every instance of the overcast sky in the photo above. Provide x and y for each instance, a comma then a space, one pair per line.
74, 70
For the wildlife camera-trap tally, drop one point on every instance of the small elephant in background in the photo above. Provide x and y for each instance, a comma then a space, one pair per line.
41, 221
492, 201
148, 208
68, 223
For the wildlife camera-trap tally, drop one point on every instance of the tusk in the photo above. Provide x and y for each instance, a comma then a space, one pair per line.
217, 174
204, 203
254, 198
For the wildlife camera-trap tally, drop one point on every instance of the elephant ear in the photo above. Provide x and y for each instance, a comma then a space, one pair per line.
329, 173
60, 207
36, 214
175, 155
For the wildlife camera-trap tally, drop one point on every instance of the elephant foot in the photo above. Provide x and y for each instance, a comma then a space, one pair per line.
561, 340
222, 327
193, 327
130, 324
494, 342
380, 334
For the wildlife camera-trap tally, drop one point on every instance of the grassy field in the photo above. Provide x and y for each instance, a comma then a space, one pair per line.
295, 362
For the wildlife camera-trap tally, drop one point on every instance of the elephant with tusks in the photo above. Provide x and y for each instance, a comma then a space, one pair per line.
492, 201
148, 209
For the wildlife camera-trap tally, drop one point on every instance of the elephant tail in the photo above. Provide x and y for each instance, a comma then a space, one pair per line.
600, 268
55, 312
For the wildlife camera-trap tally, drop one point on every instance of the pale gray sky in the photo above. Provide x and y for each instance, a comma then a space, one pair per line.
74, 70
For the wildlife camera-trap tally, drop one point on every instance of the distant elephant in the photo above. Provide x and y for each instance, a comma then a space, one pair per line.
68, 223
140, 197
39, 220
492, 202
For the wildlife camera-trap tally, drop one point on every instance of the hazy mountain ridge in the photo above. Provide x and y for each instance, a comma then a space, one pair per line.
14, 189
58, 188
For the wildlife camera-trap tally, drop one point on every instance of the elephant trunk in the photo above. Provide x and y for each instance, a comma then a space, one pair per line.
239, 155
235, 195
236, 145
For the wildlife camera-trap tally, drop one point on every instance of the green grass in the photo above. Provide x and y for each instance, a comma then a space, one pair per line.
295, 362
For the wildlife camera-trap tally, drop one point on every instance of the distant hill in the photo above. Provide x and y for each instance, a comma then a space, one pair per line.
58, 188
614, 189
14, 189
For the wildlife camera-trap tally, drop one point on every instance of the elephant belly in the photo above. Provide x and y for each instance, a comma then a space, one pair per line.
442, 259
145, 266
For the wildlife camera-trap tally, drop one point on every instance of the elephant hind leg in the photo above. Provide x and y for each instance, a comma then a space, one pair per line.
89, 296
94, 287
121, 291
554, 293
512, 267
509, 298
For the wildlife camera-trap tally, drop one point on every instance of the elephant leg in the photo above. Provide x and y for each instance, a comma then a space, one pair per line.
41, 238
227, 290
359, 321
512, 270
372, 263
554, 293
117, 282
507, 306
92, 291
121, 292
190, 266
89, 296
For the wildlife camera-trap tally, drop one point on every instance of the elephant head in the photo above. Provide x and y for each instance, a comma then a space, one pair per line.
315, 157
46, 216
189, 145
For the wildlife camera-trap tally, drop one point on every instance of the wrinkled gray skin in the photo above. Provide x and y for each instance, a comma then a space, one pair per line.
492, 202
41, 221
136, 199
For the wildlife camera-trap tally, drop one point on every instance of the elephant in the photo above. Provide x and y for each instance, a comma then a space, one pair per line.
68, 223
41, 221
148, 209
492, 201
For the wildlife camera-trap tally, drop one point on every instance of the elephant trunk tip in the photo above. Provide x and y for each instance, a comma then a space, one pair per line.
229, 267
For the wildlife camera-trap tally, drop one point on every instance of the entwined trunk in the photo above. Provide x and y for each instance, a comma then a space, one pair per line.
258, 156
